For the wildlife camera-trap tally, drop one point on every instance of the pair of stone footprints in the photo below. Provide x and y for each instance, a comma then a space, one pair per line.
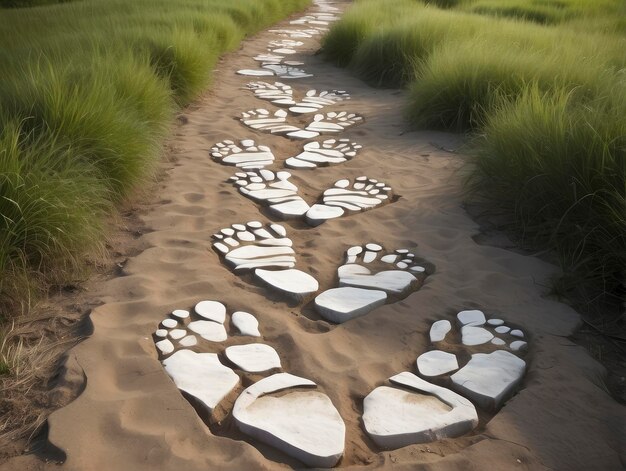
368, 279
247, 155
280, 196
297, 33
276, 123
274, 62
282, 95
276, 65
304, 423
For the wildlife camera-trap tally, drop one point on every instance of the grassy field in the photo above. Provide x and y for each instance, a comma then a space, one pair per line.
88, 91
540, 85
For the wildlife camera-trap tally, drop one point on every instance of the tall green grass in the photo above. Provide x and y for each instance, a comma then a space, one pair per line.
28, 3
88, 91
558, 163
545, 11
545, 98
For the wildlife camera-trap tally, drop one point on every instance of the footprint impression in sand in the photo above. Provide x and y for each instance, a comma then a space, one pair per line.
268, 254
280, 409
369, 278
419, 411
280, 196
276, 123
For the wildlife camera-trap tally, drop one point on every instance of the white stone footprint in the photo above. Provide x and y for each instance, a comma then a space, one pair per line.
493, 372
349, 197
276, 123
321, 154
267, 252
246, 155
333, 122
368, 279
395, 417
281, 94
302, 423
273, 190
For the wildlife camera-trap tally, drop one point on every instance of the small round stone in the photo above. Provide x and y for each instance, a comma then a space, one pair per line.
356, 250
178, 333
180, 314
169, 323
211, 310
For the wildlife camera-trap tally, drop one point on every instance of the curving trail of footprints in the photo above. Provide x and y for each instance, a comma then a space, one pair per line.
475, 362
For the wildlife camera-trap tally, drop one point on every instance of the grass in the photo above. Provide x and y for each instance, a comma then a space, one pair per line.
88, 91
543, 98
28, 3
559, 164
544, 11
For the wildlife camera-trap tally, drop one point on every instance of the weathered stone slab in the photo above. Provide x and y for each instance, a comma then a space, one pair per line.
394, 418
436, 362
254, 357
342, 304
302, 424
488, 379
202, 376
294, 283
246, 323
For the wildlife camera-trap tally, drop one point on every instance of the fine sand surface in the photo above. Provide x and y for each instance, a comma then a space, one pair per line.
131, 416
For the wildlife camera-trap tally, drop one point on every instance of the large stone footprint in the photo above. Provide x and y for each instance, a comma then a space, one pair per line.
427, 412
267, 252
320, 154
368, 279
302, 422
247, 155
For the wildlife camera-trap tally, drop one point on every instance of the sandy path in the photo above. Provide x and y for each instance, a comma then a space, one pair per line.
130, 415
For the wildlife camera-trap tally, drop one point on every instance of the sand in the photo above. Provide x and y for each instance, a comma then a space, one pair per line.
130, 416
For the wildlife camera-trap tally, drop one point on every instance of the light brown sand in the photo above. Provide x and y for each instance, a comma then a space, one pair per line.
130, 416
